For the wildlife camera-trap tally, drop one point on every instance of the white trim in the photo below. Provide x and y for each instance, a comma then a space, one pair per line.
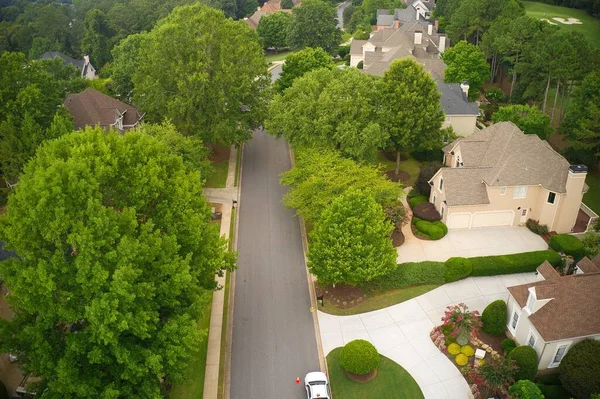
548, 198
512, 222
553, 364
512, 329
515, 192
441, 185
530, 301
535, 339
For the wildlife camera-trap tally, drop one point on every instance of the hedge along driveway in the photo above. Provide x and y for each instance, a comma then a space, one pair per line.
471, 243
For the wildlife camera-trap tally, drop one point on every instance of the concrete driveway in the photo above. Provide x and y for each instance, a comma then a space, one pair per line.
470, 243
401, 332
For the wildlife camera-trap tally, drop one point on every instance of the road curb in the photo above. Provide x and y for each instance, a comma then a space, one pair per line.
311, 286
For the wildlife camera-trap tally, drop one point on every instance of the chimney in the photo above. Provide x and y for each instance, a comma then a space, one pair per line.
442, 44
418, 15
436, 25
464, 86
418, 37
430, 29
396, 24
86, 59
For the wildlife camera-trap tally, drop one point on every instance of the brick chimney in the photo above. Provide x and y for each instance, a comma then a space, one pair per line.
418, 37
396, 24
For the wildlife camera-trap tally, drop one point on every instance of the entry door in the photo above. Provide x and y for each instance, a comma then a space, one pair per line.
523, 215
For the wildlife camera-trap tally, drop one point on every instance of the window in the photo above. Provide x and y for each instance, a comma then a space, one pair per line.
503, 191
530, 302
520, 192
441, 184
551, 197
532, 339
433, 199
514, 321
558, 356
457, 162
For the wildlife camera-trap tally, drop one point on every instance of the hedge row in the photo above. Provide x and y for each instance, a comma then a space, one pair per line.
429, 272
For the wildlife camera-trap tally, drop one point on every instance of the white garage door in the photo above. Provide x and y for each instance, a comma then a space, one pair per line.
459, 220
489, 219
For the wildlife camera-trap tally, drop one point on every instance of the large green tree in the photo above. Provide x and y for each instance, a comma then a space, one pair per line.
116, 257
331, 109
411, 111
320, 176
301, 62
527, 117
124, 64
351, 243
466, 62
315, 25
97, 39
273, 30
205, 73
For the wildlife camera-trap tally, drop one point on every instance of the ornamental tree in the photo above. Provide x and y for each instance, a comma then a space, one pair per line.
205, 73
497, 374
351, 243
466, 62
528, 118
117, 257
273, 30
301, 62
463, 322
315, 25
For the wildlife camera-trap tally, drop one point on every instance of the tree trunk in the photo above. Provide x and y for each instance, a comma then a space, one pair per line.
566, 93
555, 98
514, 79
397, 163
546, 94
477, 40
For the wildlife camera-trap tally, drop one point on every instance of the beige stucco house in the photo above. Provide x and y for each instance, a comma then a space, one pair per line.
500, 176
555, 312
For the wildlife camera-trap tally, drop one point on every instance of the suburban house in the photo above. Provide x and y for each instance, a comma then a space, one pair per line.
87, 70
460, 113
270, 7
92, 108
418, 12
555, 312
500, 176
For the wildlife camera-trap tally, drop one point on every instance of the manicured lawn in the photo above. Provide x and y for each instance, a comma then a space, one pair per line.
592, 197
272, 57
379, 300
411, 166
218, 177
590, 26
391, 381
194, 386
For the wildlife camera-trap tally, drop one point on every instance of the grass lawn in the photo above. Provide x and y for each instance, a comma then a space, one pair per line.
272, 57
590, 26
411, 166
218, 177
391, 381
592, 197
380, 300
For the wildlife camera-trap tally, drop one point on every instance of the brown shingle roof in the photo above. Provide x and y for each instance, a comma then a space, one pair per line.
573, 311
457, 181
547, 271
587, 265
92, 108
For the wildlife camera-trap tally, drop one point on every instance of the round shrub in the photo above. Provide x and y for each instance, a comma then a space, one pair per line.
426, 211
494, 318
525, 389
526, 358
467, 350
429, 230
441, 226
414, 201
461, 359
359, 357
457, 269
580, 368
567, 244
454, 349
507, 345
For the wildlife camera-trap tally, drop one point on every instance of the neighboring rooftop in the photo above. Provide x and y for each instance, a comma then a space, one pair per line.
455, 101
4, 254
405, 15
587, 265
269, 7
68, 60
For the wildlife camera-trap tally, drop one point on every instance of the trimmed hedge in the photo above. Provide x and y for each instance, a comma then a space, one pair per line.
526, 358
426, 211
567, 244
419, 199
580, 368
407, 274
359, 357
494, 318
457, 268
508, 345
515, 263
525, 389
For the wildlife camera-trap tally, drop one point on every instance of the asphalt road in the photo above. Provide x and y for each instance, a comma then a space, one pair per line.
275, 72
273, 335
340, 13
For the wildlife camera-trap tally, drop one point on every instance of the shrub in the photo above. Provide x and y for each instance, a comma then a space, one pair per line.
426, 211
526, 358
431, 230
464, 323
414, 192
515, 263
360, 65
536, 227
567, 244
343, 50
494, 318
454, 349
457, 269
429, 155
508, 345
396, 214
425, 174
359, 357
525, 389
591, 243
467, 350
407, 274
580, 368
414, 201
461, 359
495, 95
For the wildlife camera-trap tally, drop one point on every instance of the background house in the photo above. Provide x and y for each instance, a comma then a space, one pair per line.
555, 312
500, 176
87, 69
270, 7
92, 108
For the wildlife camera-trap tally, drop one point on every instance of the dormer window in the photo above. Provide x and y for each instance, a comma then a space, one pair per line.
441, 184
530, 302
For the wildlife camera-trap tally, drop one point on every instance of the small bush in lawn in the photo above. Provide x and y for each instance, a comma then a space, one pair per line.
454, 349
580, 368
536, 227
426, 211
526, 358
508, 345
467, 350
457, 268
359, 357
414, 201
525, 389
567, 244
461, 359
494, 318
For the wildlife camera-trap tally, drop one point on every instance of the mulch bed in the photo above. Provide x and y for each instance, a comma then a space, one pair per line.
362, 377
218, 153
397, 238
547, 237
491, 340
341, 296
401, 176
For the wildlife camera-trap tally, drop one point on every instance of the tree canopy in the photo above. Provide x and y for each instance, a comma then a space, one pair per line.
209, 81
466, 62
315, 25
528, 118
301, 62
351, 243
273, 30
124, 64
116, 258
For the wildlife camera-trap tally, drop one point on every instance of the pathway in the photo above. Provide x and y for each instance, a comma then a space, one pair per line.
401, 332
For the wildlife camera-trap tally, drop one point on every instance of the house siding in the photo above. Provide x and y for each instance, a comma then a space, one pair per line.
463, 125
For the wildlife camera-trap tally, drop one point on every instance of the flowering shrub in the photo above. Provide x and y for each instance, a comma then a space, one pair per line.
497, 374
438, 338
464, 323
454, 349
467, 350
461, 359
